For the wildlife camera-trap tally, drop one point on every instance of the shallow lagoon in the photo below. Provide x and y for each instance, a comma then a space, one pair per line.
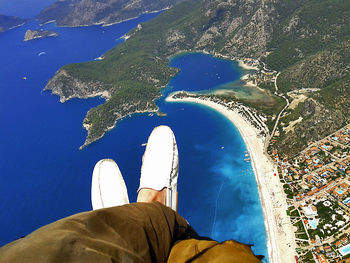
242, 92
220, 76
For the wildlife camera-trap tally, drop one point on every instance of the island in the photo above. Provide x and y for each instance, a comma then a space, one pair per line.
36, 34
9, 22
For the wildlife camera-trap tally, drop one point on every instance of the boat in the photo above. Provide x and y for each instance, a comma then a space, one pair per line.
99, 58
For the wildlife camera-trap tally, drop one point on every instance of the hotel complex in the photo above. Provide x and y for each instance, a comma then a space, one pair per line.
316, 184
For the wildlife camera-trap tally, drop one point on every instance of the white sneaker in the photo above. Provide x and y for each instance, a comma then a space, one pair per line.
108, 187
160, 164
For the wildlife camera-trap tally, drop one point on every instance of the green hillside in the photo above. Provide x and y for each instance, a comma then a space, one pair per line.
308, 41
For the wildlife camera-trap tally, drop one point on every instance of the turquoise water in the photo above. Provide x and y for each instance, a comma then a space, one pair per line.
345, 250
221, 76
245, 92
44, 175
313, 223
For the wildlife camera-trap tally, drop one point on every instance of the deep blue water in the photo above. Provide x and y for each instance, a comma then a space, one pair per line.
44, 176
23, 8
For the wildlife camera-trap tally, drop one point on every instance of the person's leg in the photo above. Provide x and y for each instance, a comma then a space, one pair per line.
147, 195
140, 232
137, 232
160, 167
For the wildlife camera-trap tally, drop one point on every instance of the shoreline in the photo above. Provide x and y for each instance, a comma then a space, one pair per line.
247, 83
103, 23
87, 126
279, 231
246, 66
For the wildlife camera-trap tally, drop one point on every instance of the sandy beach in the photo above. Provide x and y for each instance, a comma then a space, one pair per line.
280, 235
246, 66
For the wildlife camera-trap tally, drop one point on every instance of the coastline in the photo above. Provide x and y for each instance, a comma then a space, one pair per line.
248, 82
242, 64
246, 76
104, 24
87, 126
280, 234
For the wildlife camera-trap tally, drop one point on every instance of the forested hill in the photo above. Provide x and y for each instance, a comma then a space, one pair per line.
307, 40
91, 12
312, 49
9, 22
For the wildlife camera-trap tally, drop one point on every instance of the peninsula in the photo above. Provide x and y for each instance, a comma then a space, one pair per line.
88, 12
280, 232
36, 34
9, 22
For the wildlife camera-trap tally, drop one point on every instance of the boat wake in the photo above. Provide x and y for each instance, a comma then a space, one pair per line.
216, 207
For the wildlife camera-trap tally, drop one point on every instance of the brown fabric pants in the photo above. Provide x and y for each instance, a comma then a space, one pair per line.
138, 232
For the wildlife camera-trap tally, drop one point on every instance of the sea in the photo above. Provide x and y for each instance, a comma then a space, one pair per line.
44, 176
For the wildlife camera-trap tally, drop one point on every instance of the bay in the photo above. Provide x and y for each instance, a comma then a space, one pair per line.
46, 177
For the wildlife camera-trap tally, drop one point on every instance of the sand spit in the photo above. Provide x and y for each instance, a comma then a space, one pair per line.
280, 233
